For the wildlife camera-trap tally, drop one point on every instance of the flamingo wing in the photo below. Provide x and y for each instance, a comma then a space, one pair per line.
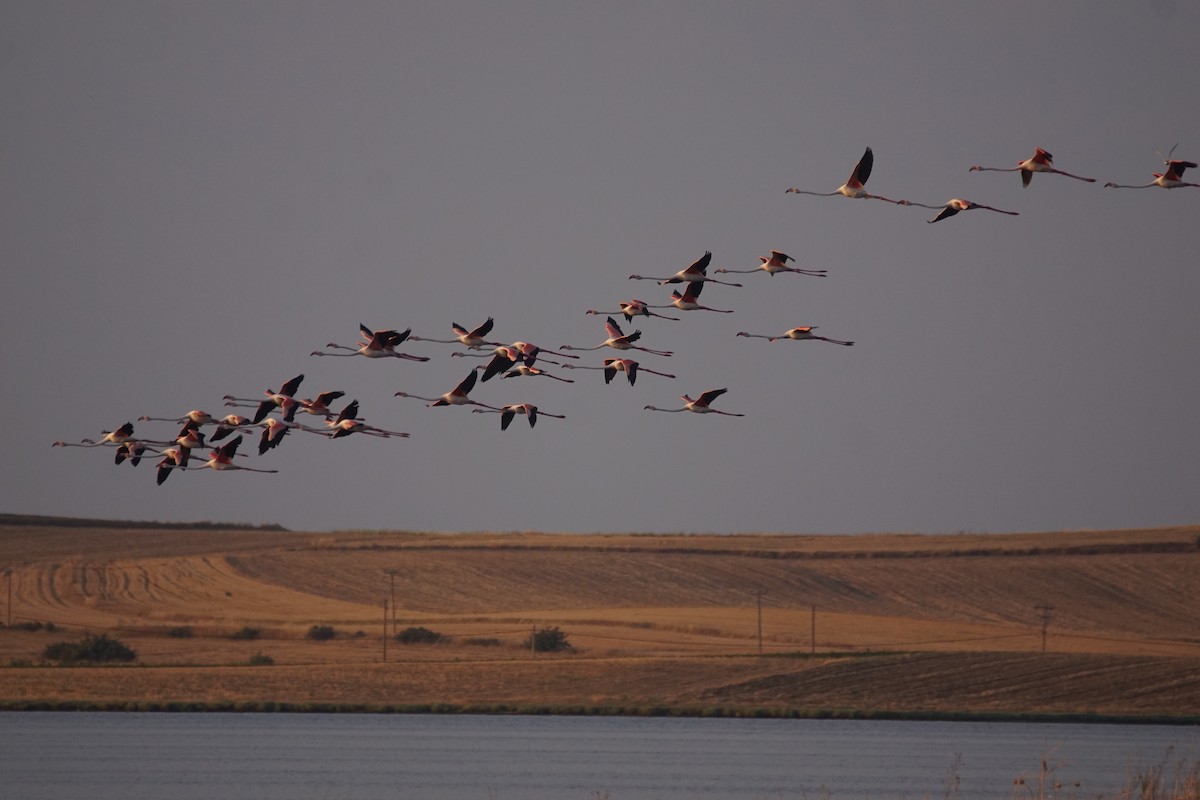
468, 383
701, 264
289, 388
612, 328
484, 329
349, 412
862, 170
709, 396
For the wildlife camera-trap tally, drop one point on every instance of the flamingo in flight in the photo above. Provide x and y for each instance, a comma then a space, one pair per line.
854, 188
636, 308
222, 458
118, 437
956, 205
696, 273
273, 432
619, 340
473, 339
132, 451
523, 370
377, 344
630, 367
502, 358
320, 406
1171, 179
777, 263
455, 397
1040, 161
800, 334
173, 458
227, 425
688, 300
509, 412
700, 405
195, 415
347, 422
282, 399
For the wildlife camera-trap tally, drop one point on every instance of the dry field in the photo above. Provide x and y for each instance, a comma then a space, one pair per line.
903, 623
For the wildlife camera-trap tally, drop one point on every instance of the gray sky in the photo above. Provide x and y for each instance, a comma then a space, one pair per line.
196, 196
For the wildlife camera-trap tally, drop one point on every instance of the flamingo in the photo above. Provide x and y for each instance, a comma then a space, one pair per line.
956, 205
227, 425
502, 358
173, 458
320, 406
273, 432
693, 274
854, 188
282, 399
347, 422
455, 397
1040, 161
508, 412
777, 263
636, 308
378, 344
531, 352
120, 436
472, 339
1171, 179
132, 450
630, 367
222, 458
699, 405
532, 372
687, 300
798, 334
618, 340
195, 415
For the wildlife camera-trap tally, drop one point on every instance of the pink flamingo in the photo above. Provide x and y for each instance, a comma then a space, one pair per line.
281, 399
473, 339
455, 397
1171, 179
618, 340
320, 406
227, 425
687, 300
523, 370
630, 367
118, 437
797, 334
636, 308
347, 422
195, 415
700, 405
508, 412
778, 263
956, 205
273, 432
502, 358
222, 458
378, 344
854, 187
173, 458
693, 274
1040, 161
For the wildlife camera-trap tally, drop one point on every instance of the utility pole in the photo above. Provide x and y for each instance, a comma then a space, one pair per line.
8, 572
813, 631
533, 642
385, 632
758, 594
1046, 617
393, 577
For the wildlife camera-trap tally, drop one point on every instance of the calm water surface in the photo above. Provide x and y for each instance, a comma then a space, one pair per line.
64, 755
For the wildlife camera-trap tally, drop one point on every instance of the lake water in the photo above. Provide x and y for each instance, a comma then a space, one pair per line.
135, 756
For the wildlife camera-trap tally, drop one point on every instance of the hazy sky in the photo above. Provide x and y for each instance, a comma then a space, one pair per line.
195, 196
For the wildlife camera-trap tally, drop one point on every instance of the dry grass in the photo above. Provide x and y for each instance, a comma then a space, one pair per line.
657, 620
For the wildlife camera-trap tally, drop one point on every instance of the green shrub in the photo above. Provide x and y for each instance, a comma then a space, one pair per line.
247, 633
183, 632
418, 636
89, 649
321, 633
548, 640
261, 660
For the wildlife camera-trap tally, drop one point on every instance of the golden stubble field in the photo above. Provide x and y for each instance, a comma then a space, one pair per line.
890, 622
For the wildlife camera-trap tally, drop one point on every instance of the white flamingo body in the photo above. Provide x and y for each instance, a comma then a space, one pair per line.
1171, 179
472, 339
376, 344
509, 412
222, 458
455, 397
957, 204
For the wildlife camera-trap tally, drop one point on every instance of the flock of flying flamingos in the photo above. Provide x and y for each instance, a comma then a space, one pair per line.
518, 358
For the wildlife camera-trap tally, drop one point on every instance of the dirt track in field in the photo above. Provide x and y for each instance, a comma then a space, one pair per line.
902, 622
